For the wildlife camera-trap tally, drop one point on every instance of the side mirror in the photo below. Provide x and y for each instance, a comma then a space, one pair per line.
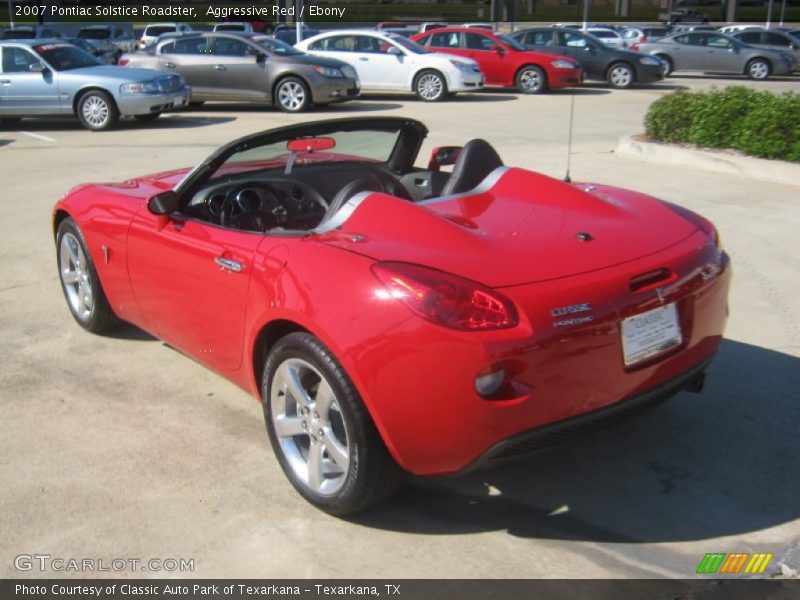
37, 68
443, 156
163, 203
500, 51
394, 50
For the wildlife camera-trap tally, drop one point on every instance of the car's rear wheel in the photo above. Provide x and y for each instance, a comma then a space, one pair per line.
430, 86
620, 76
322, 434
148, 116
96, 111
531, 80
668, 61
292, 95
79, 281
758, 69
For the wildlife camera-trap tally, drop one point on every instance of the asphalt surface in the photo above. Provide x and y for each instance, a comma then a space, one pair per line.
121, 447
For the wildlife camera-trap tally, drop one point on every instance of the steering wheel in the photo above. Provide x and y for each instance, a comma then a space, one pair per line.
243, 208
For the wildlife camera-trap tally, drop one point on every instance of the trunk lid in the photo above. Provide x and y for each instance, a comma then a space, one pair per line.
526, 228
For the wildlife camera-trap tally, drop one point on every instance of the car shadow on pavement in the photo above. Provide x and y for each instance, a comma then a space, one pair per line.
166, 121
697, 467
227, 107
6, 142
485, 95
127, 331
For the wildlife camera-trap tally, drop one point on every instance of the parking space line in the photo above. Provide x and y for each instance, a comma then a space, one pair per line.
38, 136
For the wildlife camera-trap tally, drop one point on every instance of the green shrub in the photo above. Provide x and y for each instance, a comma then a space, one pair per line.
760, 124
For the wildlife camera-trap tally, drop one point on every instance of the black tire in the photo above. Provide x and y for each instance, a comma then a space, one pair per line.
620, 75
292, 95
197, 103
668, 61
371, 473
97, 111
759, 69
430, 86
148, 116
100, 316
531, 79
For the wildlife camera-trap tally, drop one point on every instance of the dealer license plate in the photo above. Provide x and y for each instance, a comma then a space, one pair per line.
649, 334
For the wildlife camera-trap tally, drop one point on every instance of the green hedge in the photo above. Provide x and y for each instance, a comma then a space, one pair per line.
760, 124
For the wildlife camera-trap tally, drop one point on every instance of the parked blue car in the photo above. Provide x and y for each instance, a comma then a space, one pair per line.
53, 78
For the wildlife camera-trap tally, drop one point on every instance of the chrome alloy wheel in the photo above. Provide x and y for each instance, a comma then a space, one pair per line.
95, 111
758, 70
75, 277
430, 86
291, 95
530, 80
621, 76
308, 422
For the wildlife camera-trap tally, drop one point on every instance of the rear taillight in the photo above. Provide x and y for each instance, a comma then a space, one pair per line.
123, 61
635, 47
642, 38
443, 298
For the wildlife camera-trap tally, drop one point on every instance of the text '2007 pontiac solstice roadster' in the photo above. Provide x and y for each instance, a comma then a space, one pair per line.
394, 318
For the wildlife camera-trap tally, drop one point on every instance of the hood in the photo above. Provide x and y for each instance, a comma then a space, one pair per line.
310, 59
122, 74
523, 229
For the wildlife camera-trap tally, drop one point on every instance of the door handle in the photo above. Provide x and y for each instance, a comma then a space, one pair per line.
364, 58
5, 81
170, 65
229, 265
219, 67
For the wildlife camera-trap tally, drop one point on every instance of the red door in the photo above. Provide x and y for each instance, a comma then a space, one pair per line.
491, 56
190, 280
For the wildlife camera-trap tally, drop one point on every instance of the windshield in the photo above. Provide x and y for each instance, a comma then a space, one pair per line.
229, 27
794, 33
408, 44
63, 57
349, 146
94, 34
275, 46
511, 42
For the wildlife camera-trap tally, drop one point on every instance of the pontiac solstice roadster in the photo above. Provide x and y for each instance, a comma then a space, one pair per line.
395, 318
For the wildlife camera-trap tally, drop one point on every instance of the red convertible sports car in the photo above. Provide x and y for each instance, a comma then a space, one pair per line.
396, 318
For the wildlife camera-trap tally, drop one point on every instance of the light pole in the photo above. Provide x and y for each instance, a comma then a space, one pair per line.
585, 13
298, 23
10, 13
769, 15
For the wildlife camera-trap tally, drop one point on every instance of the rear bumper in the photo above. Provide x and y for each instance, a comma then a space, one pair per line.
538, 438
143, 104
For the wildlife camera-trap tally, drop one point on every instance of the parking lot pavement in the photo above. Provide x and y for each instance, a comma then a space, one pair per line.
119, 446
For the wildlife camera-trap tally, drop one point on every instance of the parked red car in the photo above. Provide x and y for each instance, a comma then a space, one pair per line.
397, 318
504, 61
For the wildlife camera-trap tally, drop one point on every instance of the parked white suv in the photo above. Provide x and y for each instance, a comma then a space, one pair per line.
155, 30
389, 62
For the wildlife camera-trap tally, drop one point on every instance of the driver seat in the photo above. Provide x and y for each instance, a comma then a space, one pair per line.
475, 161
363, 184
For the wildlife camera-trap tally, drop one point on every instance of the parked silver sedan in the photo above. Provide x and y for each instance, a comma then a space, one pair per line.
249, 67
715, 52
783, 41
51, 78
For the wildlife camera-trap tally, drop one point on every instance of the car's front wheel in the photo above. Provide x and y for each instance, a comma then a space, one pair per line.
322, 434
668, 61
758, 69
430, 86
79, 281
96, 111
531, 80
620, 76
292, 95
